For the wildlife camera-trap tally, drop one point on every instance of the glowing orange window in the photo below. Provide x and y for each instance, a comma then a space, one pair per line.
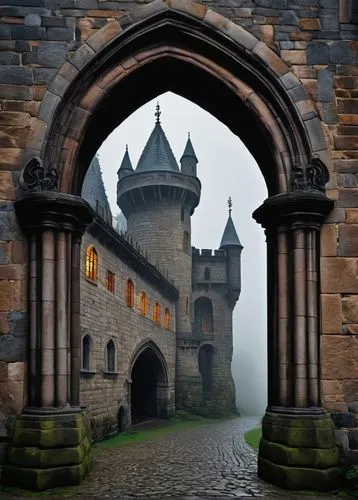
91, 263
144, 304
156, 314
111, 283
167, 319
130, 293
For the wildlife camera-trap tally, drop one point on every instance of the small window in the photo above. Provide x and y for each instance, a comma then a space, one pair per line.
111, 356
206, 274
130, 293
144, 304
187, 306
110, 281
167, 319
86, 352
156, 313
91, 263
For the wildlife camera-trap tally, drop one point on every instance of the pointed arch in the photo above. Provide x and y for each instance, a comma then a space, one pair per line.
152, 346
91, 266
213, 52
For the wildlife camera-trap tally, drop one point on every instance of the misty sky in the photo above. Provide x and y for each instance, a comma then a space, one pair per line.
225, 169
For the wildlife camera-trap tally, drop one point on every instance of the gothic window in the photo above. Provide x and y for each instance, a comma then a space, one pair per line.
130, 293
144, 304
111, 356
166, 319
91, 263
86, 352
156, 313
110, 281
203, 315
206, 274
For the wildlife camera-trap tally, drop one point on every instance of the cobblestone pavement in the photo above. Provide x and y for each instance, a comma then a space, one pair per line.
206, 461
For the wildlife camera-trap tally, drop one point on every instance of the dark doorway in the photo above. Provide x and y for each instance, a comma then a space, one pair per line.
148, 388
206, 370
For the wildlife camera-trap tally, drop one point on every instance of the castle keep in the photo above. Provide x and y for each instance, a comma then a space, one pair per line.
282, 75
156, 318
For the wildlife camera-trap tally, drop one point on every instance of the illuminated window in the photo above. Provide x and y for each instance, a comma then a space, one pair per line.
156, 314
167, 319
207, 274
110, 281
91, 263
111, 356
86, 352
130, 293
144, 304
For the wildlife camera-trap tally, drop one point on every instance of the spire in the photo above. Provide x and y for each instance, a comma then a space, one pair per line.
230, 237
94, 192
157, 153
189, 160
126, 165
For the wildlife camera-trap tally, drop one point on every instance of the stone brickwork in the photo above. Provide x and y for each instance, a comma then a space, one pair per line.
104, 316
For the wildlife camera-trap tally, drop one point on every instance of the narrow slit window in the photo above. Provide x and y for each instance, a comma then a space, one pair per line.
166, 319
111, 356
86, 352
130, 293
144, 304
156, 315
111, 281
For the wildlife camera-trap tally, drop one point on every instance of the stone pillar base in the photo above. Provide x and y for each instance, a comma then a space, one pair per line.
298, 449
48, 448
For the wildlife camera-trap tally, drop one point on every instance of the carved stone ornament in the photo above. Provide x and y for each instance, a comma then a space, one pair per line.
313, 177
35, 178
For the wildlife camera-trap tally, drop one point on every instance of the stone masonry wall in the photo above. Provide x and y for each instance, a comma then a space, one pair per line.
105, 316
36, 37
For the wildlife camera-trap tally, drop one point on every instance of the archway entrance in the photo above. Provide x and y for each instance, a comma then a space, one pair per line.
148, 394
197, 54
206, 353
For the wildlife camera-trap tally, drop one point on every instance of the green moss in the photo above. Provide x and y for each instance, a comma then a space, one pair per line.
253, 437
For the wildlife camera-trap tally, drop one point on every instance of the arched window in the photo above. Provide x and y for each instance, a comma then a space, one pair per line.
203, 315
144, 304
86, 352
111, 281
91, 263
166, 319
156, 313
206, 274
130, 293
111, 356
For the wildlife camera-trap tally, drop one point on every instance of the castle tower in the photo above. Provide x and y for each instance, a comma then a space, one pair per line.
189, 160
231, 244
158, 200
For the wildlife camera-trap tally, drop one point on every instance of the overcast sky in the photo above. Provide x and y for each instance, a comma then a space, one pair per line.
225, 169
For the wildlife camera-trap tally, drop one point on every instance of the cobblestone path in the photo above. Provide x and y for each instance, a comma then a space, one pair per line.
207, 461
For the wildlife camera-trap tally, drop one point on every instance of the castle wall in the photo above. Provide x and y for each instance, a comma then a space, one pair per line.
105, 316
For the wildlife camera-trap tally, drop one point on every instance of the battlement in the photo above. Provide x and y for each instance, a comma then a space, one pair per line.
207, 252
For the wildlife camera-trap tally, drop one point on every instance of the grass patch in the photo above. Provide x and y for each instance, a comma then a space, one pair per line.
253, 437
137, 435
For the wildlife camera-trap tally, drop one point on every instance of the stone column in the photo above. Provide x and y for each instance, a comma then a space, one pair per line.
297, 449
54, 223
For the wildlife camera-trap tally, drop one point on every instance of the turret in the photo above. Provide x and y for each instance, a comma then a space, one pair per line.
126, 166
189, 160
157, 201
231, 244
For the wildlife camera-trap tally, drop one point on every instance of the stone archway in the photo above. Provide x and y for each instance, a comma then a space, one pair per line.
261, 101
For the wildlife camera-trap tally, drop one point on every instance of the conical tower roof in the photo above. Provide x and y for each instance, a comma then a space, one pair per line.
189, 150
157, 153
94, 192
126, 163
230, 237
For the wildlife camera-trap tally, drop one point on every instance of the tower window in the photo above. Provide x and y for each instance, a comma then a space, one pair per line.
91, 271
166, 319
110, 281
130, 293
156, 313
86, 352
206, 274
203, 315
144, 304
111, 356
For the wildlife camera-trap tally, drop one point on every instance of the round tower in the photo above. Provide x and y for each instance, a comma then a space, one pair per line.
231, 244
158, 200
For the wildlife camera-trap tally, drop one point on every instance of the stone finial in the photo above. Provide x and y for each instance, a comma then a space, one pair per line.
229, 203
158, 113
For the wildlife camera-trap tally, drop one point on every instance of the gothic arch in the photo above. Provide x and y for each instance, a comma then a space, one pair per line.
172, 37
141, 347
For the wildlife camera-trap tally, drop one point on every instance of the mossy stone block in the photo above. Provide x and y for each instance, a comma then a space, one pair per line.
46, 458
42, 479
299, 478
50, 438
303, 457
289, 421
310, 437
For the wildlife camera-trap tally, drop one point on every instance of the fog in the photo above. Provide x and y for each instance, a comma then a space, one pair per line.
225, 168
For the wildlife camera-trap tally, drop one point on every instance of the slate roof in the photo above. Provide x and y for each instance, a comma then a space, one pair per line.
230, 237
189, 151
94, 192
126, 162
157, 153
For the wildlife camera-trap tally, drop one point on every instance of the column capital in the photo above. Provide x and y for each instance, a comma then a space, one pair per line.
300, 207
48, 210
